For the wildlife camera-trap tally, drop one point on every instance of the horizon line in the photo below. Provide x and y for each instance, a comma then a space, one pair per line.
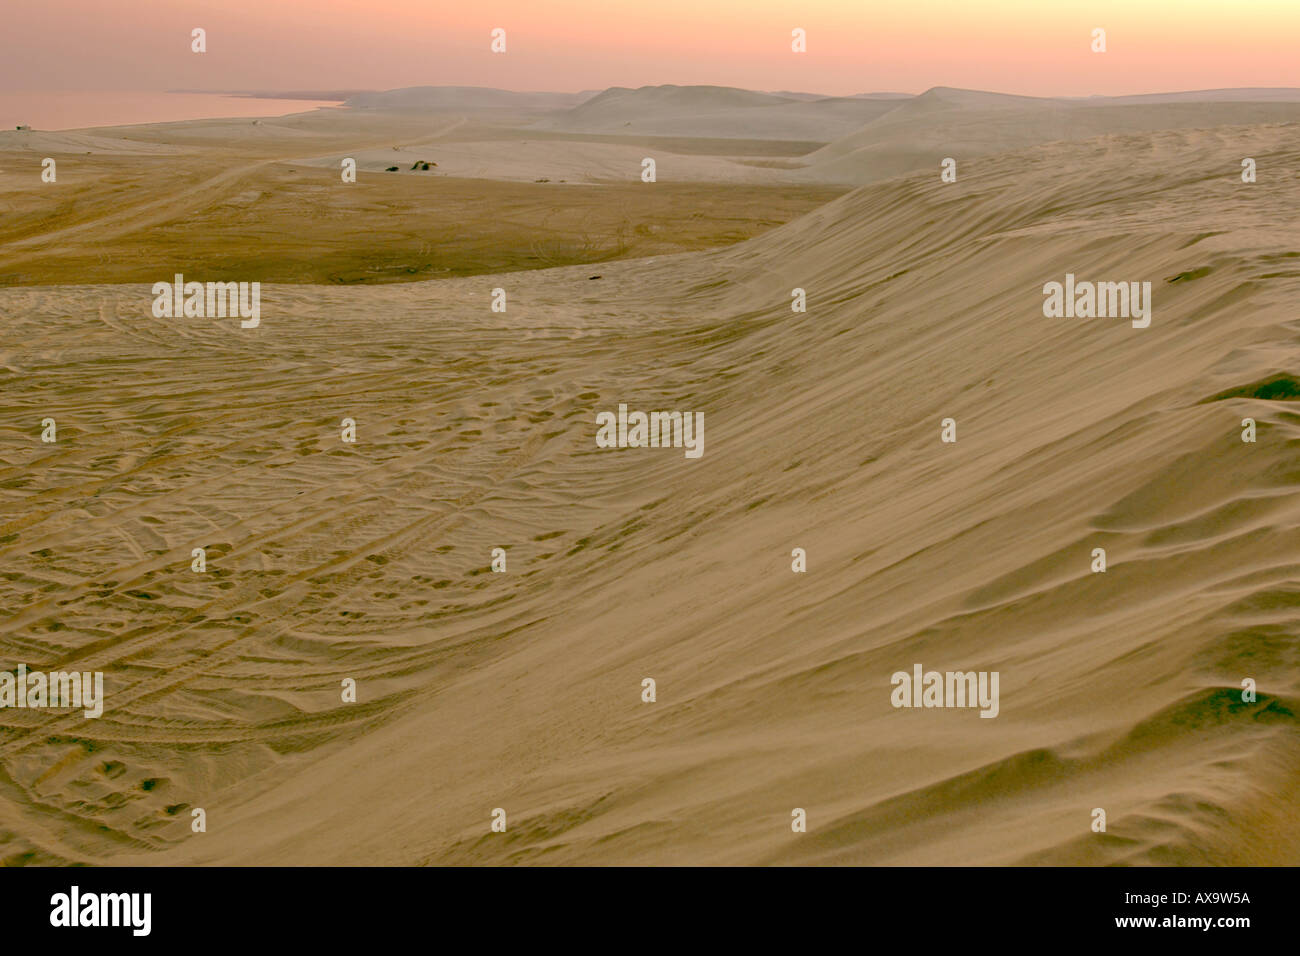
320, 93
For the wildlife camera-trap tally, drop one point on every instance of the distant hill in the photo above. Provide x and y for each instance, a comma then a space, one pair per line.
462, 97
718, 111
852, 96
1260, 94
284, 94
920, 132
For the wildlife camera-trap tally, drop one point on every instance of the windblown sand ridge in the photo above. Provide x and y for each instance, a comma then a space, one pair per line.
919, 133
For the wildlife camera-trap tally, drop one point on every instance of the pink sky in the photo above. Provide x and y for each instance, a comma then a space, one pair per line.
1036, 47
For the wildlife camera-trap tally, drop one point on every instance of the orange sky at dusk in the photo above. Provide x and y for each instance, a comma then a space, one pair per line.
1035, 47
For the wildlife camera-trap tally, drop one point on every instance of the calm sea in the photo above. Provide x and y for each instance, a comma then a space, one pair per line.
76, 110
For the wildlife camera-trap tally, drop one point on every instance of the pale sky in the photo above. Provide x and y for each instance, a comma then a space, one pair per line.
1034, 47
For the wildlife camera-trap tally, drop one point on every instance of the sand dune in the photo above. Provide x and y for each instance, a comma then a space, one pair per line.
919, 133
1269, 94
522, 690
717, 111
462, 98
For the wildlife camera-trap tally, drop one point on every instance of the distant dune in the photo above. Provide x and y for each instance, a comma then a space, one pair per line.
461, 98
717, 111
856, 96
919, 133
1241, 95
